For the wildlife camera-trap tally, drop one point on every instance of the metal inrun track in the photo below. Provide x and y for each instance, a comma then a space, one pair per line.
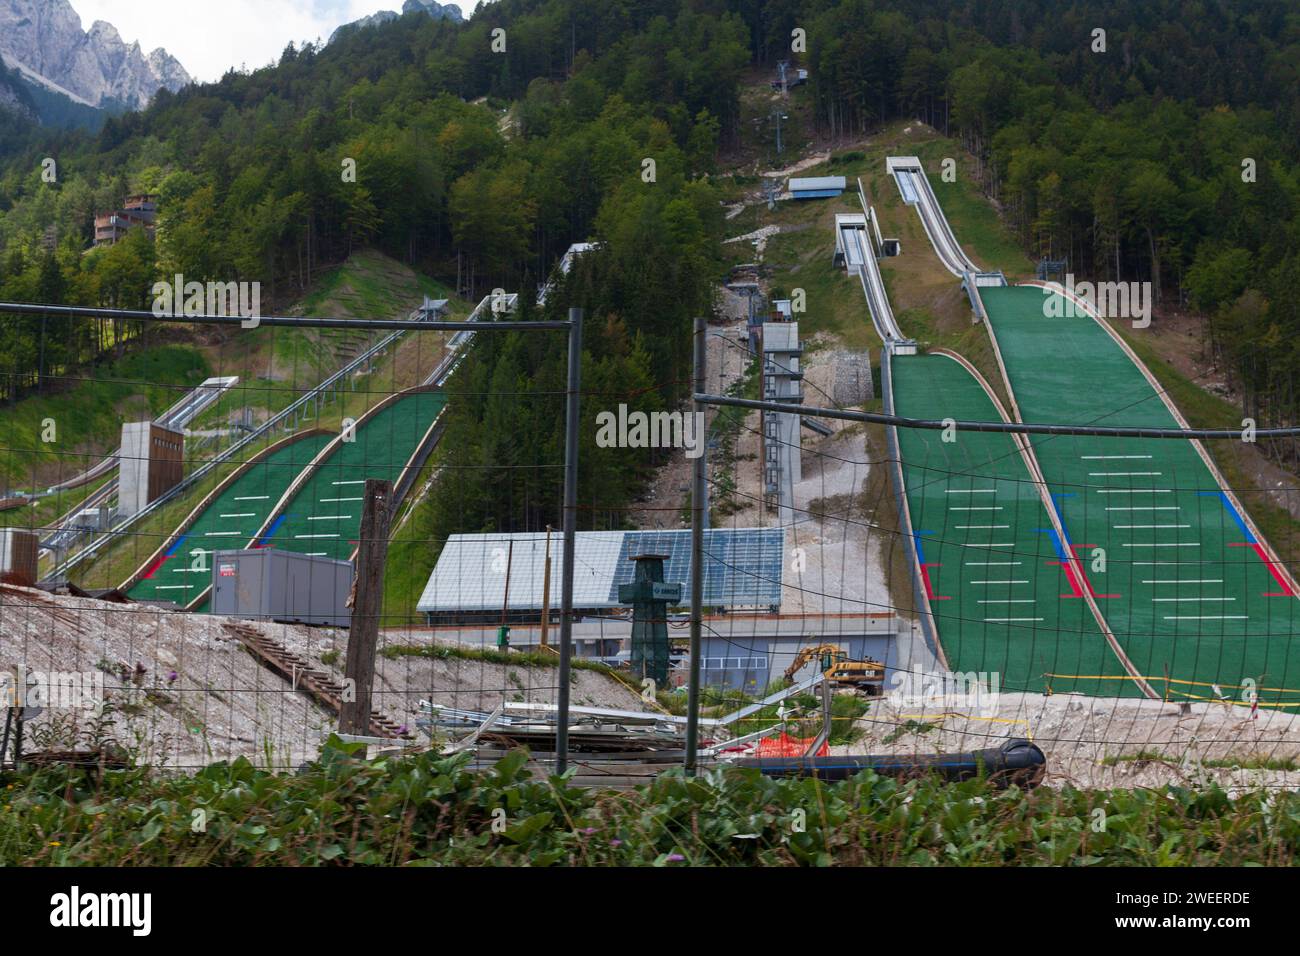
61, 569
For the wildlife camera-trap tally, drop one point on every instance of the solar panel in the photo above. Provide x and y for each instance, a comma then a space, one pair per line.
742, 566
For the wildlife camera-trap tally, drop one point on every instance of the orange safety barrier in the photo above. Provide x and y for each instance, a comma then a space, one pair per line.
784, 745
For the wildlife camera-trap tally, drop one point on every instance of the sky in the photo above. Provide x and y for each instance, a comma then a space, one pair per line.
211, 36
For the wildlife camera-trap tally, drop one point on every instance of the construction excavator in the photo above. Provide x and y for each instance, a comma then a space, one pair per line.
867, 676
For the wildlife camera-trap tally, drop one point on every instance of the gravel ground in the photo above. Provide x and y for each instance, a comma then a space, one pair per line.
182, 693
1097, 742
221, 704
840, 568
402, 681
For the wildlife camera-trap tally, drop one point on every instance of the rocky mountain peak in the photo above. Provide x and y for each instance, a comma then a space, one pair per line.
46, 37
439, 11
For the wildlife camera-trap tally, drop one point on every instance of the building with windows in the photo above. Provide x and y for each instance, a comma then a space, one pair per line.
817, 187
151, 463
137, 211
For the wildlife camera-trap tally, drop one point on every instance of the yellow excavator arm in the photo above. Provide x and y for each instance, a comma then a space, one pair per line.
837, 667
811, 652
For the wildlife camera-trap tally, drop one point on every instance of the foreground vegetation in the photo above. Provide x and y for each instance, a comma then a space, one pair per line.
427, 810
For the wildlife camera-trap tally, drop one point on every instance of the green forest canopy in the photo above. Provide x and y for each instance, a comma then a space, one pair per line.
487, 165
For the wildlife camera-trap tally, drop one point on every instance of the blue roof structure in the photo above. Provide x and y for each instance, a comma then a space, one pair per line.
818, 187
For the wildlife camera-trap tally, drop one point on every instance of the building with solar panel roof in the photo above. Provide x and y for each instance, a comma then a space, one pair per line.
747, 641
743, 571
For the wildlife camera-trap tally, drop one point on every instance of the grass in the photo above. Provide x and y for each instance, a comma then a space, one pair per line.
548, 659
544, 659
276, 364
87, 410
802, 259
973, 218
45, 510
342, 810
1257, 762
410, 558
726, 431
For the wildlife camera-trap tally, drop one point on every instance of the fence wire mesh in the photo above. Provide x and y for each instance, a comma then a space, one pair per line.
1126, 604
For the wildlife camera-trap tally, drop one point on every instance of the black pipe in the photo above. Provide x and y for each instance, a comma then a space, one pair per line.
1019, 428
302, 322
1017, 761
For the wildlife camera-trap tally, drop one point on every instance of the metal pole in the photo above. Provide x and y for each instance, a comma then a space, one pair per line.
698, 505
571, 425
4, 744
505, 601
546, 590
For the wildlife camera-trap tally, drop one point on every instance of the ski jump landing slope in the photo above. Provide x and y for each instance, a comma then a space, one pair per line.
1184, 579
227, 519
320, 511
987, 545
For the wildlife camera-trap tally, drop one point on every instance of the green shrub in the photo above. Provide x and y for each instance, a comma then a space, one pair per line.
431, 810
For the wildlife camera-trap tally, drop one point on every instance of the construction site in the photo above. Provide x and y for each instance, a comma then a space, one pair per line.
872, 565
596, 435
923, 507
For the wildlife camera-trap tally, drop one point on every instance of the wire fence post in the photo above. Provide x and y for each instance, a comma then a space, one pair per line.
368, 597
698, 505
570, 532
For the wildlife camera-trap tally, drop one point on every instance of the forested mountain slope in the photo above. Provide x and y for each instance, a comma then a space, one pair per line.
479, 156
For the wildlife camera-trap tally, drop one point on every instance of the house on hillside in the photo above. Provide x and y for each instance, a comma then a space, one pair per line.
140, 210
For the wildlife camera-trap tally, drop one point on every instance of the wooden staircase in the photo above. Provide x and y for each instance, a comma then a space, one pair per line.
320, 686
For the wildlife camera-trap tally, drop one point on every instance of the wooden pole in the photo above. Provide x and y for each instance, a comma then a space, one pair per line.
699, 517
546, 589
367, 600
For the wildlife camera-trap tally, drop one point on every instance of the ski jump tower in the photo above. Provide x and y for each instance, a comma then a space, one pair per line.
782, 382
